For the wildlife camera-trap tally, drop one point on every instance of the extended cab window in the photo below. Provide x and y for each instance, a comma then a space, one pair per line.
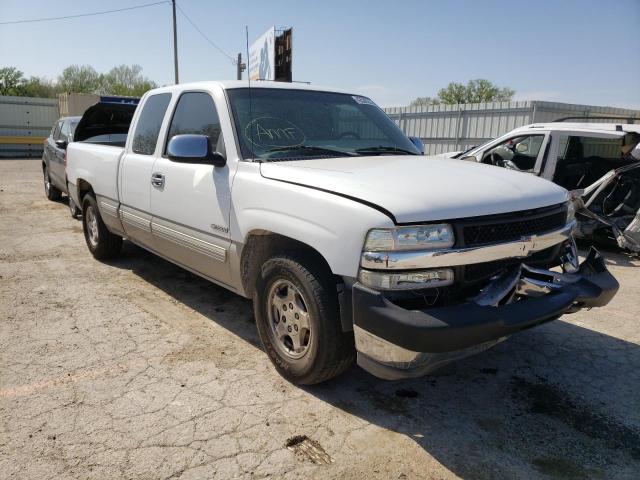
149, 122
196, 113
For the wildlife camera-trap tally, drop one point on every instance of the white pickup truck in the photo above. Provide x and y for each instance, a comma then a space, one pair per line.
315, 205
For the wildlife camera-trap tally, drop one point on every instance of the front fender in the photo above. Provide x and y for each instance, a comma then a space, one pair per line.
333, 225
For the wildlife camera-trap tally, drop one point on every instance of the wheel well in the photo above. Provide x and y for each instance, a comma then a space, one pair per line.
83, 187
262, 245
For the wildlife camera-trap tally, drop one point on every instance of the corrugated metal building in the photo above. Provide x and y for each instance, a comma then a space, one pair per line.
24, 124
445, 128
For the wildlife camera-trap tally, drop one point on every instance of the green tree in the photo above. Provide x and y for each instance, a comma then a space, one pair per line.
125, 80
79, 79
11, 81
121, 80
475, 91
40, 87
424, 101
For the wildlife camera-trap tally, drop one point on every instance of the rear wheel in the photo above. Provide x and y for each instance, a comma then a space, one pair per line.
101, 242
296, 312
50, 191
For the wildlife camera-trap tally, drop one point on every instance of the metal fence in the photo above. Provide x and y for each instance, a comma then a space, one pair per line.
25, 122
445, 128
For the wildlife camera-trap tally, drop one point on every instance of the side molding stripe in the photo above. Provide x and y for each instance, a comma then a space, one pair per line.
135, 221
109, 209
192, 243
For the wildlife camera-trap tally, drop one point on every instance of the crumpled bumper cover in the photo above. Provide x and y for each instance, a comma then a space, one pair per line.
390, 338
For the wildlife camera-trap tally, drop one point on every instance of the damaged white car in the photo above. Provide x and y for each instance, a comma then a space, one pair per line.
598, 162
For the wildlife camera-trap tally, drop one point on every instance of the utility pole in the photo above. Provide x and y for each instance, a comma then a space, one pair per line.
175, 41
240, 67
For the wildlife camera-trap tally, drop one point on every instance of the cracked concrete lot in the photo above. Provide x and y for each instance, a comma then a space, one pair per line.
138, 369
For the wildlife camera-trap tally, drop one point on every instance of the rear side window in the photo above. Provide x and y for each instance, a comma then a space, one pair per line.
196, 113
578, 149
148, 126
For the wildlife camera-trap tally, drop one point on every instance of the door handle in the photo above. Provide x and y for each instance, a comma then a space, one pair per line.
157, 180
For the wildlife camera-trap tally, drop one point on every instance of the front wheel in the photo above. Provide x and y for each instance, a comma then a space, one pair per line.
101, 242
296, 310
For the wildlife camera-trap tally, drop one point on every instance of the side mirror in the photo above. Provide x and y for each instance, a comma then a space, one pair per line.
418, 143
190, 148
61, 144
469, 158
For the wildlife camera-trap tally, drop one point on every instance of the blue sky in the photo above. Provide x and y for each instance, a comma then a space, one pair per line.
577, 51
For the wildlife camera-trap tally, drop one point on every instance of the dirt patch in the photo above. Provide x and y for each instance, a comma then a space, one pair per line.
561, 468
547, 399
308, 448
406, 393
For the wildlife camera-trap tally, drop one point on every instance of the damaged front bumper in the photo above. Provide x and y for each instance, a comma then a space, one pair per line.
394, 342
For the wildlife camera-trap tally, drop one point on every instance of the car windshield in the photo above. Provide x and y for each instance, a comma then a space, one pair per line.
285, 124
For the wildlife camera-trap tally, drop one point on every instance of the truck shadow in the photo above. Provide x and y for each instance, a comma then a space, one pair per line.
558, 401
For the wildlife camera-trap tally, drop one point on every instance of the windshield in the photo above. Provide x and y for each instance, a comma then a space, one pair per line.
475, 149
283, 124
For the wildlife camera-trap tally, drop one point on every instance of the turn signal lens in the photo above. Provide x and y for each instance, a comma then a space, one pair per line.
406, 280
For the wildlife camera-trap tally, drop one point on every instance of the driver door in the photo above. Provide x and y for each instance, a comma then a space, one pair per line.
190, 202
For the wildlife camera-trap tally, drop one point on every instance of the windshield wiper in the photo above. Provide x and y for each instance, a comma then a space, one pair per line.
290, 148
384, 149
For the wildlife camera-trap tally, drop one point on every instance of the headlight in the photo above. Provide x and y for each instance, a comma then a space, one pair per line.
410, 238
406, 280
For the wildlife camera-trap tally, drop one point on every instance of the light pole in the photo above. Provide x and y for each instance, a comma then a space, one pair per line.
175, 42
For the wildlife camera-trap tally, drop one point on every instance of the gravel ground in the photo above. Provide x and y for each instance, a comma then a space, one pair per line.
138, 369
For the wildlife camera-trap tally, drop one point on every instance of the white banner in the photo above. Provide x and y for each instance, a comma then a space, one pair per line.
262, 57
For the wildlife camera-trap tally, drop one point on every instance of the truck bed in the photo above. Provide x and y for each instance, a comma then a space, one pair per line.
96, 164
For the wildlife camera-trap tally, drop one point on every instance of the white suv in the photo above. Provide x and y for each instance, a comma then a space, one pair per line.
597, 160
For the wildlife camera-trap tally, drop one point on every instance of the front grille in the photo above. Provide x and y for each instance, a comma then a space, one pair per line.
512, 227
479, 271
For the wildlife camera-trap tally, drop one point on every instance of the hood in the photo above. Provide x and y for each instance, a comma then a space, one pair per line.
418, 188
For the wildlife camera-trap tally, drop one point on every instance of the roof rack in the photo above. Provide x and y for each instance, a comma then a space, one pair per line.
631, 120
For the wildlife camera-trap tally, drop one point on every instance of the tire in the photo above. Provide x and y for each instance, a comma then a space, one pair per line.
304, 294
102, 244
73, 208
50, 191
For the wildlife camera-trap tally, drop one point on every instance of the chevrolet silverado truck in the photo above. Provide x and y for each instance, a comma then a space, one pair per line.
351, 244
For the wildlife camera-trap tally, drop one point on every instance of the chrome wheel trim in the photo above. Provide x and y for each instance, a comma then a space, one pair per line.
288, 317
92, 226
